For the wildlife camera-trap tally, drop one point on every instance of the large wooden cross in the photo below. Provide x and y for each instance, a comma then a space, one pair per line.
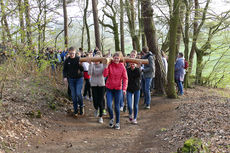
108, 60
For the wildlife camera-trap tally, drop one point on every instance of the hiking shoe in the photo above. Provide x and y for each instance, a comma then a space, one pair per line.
147, 106
82, 111
130, 118
96, 113
117, 126
100, 120
104, 112
134, 121
111, 123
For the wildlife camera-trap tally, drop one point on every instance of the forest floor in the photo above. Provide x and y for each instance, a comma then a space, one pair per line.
34, 118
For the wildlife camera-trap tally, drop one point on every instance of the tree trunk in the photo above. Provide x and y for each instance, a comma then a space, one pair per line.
199, 68
150, 32
174, 21
82, 35
122, 27
186, 38
65, 24
21, 21
179, 28
131, 20
116, 35
44, 27
28, 24
5, 22
3, 33
96, 24
87, 26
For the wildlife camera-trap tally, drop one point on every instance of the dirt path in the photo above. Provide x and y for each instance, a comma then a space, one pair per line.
63, 133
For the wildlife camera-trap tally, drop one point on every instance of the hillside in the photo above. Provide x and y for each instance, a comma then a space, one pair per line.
35, 117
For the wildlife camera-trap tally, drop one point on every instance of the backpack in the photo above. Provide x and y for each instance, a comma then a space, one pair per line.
186, 64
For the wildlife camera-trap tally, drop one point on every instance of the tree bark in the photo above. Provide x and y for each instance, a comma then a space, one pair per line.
28, 24
96, 24
87, 26
122, 27
174, 21
5, 22
21, 21
150, 32
131, 20
179, 28
65, 23
186, 36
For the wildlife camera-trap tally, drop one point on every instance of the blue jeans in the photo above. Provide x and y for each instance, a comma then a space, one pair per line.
122, 101
116, 94
180, 87
136, 102
76, 87
146, 87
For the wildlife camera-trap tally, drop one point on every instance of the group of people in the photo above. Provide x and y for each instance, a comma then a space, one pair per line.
114, 79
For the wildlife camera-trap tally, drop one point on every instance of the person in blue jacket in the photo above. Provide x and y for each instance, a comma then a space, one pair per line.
179, 73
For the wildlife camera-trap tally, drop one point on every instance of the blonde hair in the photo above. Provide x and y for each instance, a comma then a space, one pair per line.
134, 51
118, 53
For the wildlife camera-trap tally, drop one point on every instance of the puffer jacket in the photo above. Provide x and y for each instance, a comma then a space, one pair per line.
116, 74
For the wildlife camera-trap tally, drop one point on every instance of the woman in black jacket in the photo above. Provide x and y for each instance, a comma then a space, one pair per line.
134, 84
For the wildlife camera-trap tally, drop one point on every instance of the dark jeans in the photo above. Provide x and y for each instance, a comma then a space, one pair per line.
116, 94
87, 88
76, 87
98, 98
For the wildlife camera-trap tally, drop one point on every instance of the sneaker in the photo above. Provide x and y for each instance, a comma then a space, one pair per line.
134, 121
82, 111
91, 99
121, 109
147, 106
117, 126
104, 112
96, 113
86, 98
111, 123
75, 115
100, 120
130, 118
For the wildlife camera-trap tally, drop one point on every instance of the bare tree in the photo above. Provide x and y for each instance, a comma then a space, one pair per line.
96, 24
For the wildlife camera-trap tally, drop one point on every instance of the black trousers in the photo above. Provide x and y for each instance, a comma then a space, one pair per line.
98, 98
87, 88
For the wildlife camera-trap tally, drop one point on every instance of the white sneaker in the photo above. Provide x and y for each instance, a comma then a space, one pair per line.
100, 120
111, 123
96, 113
121, 109
117, 126
134, 121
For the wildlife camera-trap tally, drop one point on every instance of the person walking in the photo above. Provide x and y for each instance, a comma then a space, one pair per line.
98, 86
179, 73
134, 85
116, 74
73, 74
148, 75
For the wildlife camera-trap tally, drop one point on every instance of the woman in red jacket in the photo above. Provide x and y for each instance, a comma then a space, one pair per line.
115, 73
